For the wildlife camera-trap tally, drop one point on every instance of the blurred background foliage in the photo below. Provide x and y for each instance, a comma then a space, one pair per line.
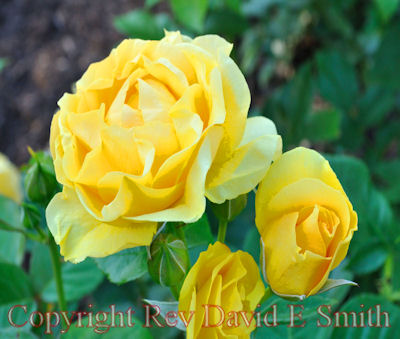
328, 74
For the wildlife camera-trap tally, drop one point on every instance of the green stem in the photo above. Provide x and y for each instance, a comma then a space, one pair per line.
268, 293
7, 227
55, 259
41, 232
222, 226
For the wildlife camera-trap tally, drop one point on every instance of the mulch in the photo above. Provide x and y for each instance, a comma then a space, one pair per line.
48, 45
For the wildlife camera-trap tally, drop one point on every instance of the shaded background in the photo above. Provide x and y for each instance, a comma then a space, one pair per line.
47, 44
326, 72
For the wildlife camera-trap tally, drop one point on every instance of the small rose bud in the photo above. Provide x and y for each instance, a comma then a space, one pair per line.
30, 215
169, 260
40, 181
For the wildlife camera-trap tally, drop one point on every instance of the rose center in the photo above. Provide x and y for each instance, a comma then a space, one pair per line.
315, 229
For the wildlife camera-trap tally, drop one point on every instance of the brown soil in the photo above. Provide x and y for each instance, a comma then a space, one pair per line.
48, 44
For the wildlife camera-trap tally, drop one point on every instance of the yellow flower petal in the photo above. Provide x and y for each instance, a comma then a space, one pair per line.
87, 126
213, 44
10, 180
165, 71
229, 280
192, 204
308, 164
289, 271
308, 192
80, 235
237, 99
99, 75
305, 220
248, 164
139, 135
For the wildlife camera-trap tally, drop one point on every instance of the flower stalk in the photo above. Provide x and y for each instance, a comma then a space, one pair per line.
222, 226
55, 259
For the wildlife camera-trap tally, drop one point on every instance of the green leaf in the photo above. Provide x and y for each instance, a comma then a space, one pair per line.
323, 125
354, 176
259, 7
295, 101
335, 22
15, 289
266, 72
387, 8
14, 284
226, 23
141, 24
10, 212
385, 69
380, 216
234, 5
368, 258
165, 307
191, 14
79, 280
337, 80
124, 266
282, 331
388, 174
40, 268
395, 269
151, 3
375, 105
12, 244
249, 51
20, 333
198, 233
230, 209
18, 314
369, 300
137, 331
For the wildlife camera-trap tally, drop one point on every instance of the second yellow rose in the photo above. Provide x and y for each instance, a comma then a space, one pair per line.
306, 223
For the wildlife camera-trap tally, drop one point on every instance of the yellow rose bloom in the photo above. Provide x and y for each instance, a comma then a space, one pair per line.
151, 131
10, 180
228, 280
305, 220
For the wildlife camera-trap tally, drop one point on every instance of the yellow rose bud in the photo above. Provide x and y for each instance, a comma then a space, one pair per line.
150, 132
306, 223
220, 294
10, 180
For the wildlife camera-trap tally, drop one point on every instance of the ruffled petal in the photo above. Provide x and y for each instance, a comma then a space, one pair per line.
289, 270
214, 44
248, 163
190, 207
80, 235
303, 193
294, 165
